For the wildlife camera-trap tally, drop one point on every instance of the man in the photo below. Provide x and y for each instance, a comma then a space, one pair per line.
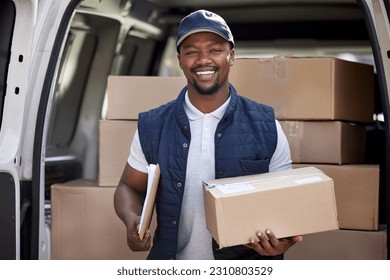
208, 132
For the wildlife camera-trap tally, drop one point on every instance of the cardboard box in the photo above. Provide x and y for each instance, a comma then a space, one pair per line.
357, 194
85, 225
130, 95
291, 202
114, 148
308, 88
325, 142
341, 245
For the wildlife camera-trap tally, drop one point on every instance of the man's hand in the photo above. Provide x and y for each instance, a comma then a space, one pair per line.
268, 245
128, 202
133, 239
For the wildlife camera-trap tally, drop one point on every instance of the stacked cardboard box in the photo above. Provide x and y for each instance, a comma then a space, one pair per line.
114, 148
308, 88
357, 194
130, 95
127, 97
332, 142
85, 226
341, 245
323, 105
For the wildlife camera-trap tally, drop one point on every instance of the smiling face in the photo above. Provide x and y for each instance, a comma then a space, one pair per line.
205, 59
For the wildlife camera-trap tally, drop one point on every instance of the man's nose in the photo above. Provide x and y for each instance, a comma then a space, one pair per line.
204, 56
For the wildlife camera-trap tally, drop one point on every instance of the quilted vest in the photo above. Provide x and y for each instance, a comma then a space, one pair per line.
245, 140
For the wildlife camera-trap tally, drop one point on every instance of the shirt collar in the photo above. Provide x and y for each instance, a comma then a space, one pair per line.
194, 114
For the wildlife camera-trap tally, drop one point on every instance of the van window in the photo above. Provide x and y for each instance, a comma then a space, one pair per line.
79, 51
97, 45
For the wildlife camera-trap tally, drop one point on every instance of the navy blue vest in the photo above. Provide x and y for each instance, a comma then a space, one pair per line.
245, 141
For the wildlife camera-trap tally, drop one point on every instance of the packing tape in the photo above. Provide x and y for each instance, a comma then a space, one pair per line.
276, 69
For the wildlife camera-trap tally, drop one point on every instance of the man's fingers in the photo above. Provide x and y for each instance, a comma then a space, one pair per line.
272, 239
134, 242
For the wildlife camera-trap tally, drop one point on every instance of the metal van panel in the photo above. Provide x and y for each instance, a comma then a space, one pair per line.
52, 38
36, 28
17, 82
378, 23
9, 216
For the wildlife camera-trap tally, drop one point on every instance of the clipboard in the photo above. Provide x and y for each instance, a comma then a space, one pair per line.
148, 207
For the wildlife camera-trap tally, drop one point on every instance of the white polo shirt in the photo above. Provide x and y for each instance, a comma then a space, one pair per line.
194, 240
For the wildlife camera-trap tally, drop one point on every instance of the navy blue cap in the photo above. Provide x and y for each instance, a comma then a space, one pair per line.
203, 21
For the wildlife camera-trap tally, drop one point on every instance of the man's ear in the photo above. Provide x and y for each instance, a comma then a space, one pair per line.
231, 59
178, 58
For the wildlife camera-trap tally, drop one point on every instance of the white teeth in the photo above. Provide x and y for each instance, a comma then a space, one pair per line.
205, 73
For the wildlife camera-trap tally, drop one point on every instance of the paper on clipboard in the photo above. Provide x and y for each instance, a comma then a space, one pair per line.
147, 209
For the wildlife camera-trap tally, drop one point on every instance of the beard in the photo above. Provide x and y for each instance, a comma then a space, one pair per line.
210, 90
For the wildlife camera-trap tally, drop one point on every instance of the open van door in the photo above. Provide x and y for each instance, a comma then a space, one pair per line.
9, 179
377, 15
33, 33
55, 58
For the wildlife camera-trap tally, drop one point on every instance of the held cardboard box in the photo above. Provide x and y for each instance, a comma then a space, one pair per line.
357, 194
85, 225
341, 245
114, 148
325, 141
291, 202
308, 88
130, 95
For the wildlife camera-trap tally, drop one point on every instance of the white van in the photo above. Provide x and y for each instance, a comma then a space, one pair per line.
56, 56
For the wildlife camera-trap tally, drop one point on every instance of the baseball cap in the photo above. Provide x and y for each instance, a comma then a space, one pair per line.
203, 21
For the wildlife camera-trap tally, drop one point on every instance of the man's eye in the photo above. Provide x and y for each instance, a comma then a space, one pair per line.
191, 52
215, 51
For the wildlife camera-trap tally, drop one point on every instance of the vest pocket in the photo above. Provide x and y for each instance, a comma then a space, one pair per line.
250, 166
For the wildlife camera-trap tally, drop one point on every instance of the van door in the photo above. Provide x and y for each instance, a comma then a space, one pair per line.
9, 183
377, 20
55, 59
33, 33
